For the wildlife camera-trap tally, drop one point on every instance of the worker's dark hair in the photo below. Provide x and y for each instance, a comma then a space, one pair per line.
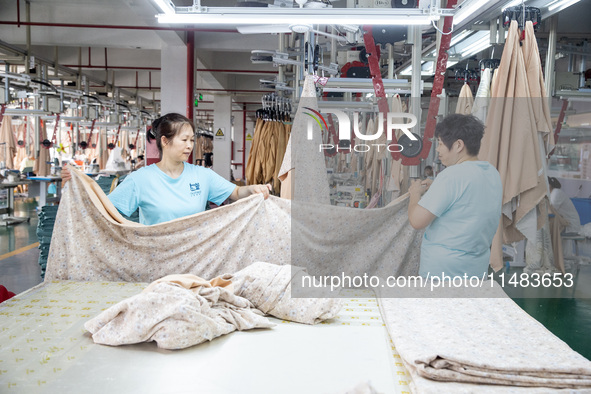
167, 126
467, 128
554, 183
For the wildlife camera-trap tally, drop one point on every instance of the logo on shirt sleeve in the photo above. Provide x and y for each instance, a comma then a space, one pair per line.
195, 189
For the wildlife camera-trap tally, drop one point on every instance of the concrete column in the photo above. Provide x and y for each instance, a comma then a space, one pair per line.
173, 95
173, 79
222, 145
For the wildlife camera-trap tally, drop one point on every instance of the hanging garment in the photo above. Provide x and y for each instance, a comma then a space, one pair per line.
303, 156
22, 135
42, 167
511, 144
7, 143
465, 101
103, 151
92, 241
482, 99
396, 175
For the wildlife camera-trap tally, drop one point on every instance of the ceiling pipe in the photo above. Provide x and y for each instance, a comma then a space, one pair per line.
122, 27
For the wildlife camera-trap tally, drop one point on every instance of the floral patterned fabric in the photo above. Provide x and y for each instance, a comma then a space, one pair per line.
179, 311
92, 242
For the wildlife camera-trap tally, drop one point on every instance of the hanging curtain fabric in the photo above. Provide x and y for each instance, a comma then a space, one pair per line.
482, 99
267, 152
396, 176
103, 152
465, 101
511, 145
20, 131
42, 168
7, 143
310, 183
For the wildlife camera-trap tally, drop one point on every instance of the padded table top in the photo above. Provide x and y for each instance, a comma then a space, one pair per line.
45, 348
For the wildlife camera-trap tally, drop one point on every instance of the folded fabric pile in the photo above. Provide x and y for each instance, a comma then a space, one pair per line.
180, 311
486, 341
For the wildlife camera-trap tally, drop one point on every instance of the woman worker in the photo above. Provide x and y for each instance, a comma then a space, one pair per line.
461, 208
173, 188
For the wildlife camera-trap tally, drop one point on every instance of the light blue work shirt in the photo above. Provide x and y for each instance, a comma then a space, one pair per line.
161, 198
467, 199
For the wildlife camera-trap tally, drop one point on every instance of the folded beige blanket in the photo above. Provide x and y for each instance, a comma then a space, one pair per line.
482, 341
179, 311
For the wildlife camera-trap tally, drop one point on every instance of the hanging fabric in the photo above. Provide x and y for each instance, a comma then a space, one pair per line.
42, 167
510, 143
7, 143
482, 99
465, 100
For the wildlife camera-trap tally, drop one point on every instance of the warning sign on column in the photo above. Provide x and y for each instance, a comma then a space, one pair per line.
220, 134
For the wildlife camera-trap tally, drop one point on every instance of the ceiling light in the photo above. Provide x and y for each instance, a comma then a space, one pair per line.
476, 47
562, 3
468, 8
306, 16
165, 6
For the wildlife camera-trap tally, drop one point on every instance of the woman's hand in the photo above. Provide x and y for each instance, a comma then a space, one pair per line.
418, 187
66, 175
245, 191
260, 189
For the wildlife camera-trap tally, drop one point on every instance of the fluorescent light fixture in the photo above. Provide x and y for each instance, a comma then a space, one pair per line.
166, 6
459, 37
476, 47
468, 8
561, 4
429, 70
343, 16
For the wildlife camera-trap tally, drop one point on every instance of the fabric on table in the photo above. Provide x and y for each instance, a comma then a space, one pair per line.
8, 149
457, 340
179, 311
268, 287
511, 144
92, 241
175, 317
465, 101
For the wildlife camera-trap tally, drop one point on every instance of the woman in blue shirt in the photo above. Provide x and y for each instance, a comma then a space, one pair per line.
173, 188
461, 208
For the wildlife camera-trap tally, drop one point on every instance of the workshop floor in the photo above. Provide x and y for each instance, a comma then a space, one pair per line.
567, 317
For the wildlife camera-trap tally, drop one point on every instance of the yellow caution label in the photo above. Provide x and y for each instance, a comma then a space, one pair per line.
248, 137
219, 133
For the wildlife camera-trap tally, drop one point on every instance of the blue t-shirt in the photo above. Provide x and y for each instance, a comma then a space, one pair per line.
161, 198
467, 199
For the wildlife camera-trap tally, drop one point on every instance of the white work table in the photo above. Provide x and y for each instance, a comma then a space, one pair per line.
45, 348
39, 188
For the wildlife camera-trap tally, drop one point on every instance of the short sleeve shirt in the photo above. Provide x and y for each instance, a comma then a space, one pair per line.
467, 200
161, 198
